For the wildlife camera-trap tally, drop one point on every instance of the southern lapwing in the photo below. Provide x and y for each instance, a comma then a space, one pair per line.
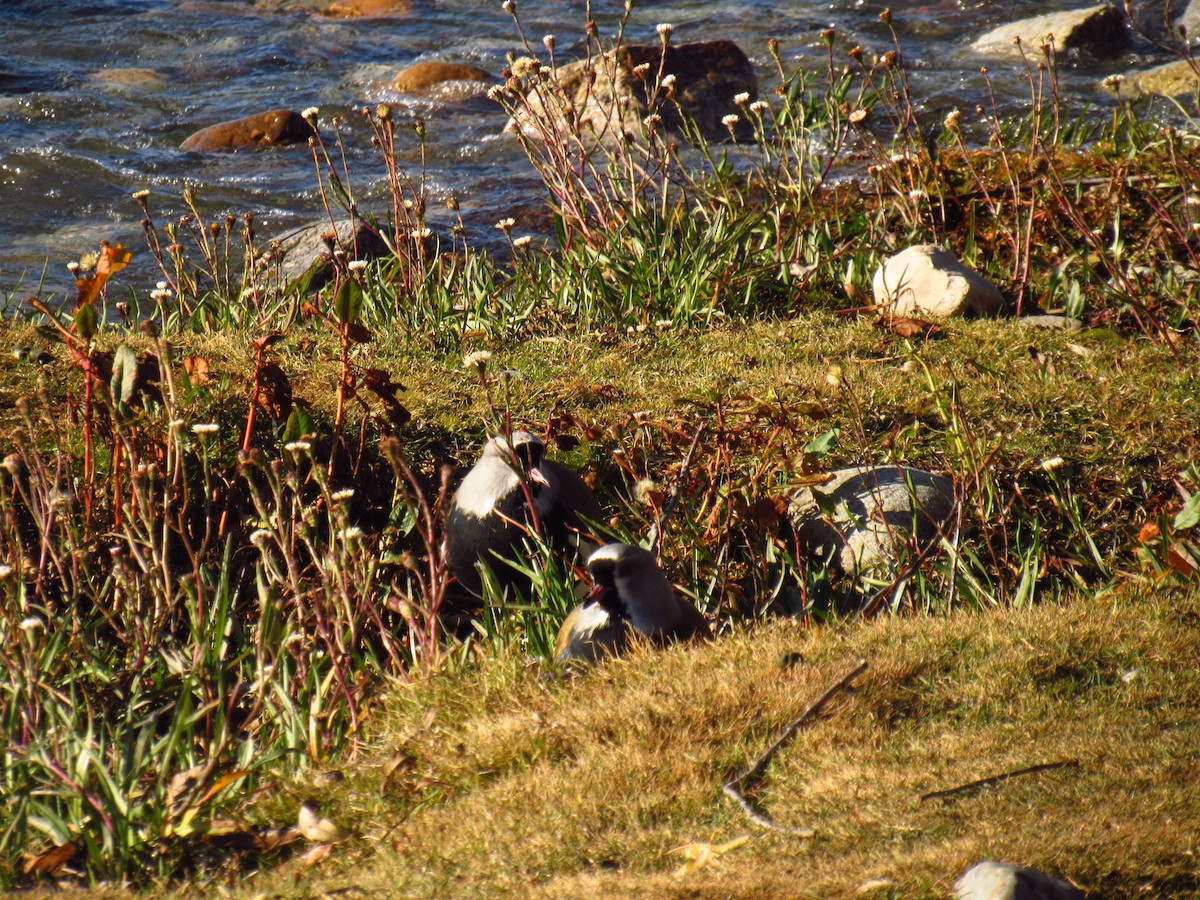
629, 593
490, 516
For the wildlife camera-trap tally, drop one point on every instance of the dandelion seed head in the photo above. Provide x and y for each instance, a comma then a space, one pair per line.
356, 265
523, 241
645, 490
310, 113
741, 99
343, 494
353, 533
664, 29
760, 106
506, 224
857, 115
524, 66
668, 81
260, 537
205, 428
297, 446
952, 120
730, 120
477, 359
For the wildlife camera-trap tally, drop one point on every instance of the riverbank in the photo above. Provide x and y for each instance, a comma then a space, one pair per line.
224, 589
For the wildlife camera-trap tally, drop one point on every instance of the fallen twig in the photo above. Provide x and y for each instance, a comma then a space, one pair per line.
737, 787
996, 779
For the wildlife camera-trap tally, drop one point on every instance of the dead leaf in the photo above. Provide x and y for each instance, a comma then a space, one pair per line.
110, 261
700, 854
317, 828
50, 861
197, 368
909, 327
274, 392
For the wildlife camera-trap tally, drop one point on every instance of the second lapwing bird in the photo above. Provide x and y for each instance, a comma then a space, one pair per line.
630, 594
490, 515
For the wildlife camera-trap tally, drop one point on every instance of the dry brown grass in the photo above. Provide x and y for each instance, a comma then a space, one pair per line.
510, 782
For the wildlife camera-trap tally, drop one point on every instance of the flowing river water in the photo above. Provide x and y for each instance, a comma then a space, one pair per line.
97, 95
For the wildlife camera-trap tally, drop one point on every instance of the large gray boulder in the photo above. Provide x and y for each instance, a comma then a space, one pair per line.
311, 249
860, 519
1099, 30
928, 279
612, 95
1002, 881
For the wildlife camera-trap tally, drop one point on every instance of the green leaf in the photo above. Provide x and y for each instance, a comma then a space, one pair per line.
124, 376
347, 303
820, 446
299, 426
1189, 516
86, 321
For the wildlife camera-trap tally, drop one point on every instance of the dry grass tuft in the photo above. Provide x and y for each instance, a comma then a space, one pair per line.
590, 786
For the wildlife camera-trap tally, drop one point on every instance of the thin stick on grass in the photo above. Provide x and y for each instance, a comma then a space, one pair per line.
737, 787
997, 779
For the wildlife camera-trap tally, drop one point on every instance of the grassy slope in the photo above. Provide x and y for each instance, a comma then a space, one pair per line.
513, 781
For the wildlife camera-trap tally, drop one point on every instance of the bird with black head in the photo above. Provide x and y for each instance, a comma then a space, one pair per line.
490, 514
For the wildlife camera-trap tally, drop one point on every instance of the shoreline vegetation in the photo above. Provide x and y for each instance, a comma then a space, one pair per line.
233, 658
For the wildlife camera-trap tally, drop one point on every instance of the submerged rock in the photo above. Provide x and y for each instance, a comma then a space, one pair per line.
929, 279
272, 129
423, 76
1100, 30
341, 9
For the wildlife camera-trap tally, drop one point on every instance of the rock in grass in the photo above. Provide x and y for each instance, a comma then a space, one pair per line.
308, 250
1099, 30
275, 128
429, 74
858, 521
929, 279
612, 94
1001, 881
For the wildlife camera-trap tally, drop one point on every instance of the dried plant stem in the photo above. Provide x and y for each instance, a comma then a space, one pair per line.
997, 779
737, 787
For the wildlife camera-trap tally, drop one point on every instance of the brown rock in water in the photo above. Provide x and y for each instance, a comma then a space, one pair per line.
422, 76
708, 76
367, 9
340, 9
276, 128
